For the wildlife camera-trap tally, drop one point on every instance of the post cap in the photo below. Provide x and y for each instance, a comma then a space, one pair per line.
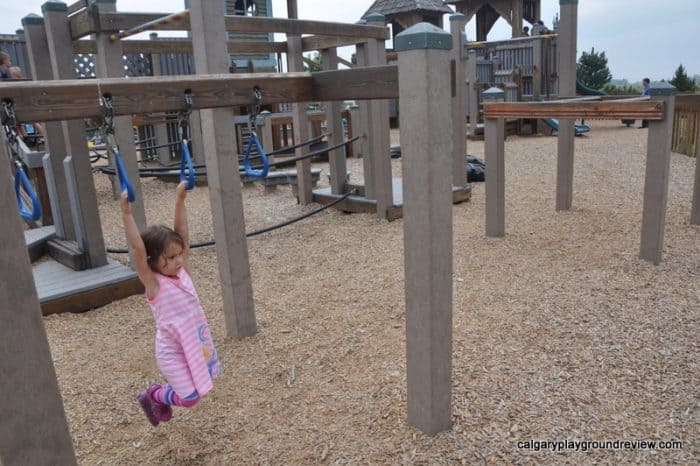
662, 88
103, 1
361, 21
568, 2
375, 18
493, 94
457, 17
54, 6
423, 36
32, 19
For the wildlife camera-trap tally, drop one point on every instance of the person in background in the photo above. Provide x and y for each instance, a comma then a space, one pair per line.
645, 91
5, 64
526, 31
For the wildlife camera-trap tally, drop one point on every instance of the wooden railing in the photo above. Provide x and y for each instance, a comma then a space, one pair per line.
686, 125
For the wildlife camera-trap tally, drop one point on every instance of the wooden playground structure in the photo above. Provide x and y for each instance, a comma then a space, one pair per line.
432, 125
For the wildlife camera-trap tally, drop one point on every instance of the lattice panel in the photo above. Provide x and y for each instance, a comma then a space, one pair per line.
136, 64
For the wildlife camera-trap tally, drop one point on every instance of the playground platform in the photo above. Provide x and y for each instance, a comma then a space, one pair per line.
360, 204
61, 289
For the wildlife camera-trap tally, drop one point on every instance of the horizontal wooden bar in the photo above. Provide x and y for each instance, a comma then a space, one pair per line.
182, 46
608, 110
313, 43
82, 24
372, 82
301, 26
77, 6
79, 98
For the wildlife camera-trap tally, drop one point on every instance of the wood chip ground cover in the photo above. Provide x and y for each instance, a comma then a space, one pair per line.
560, 330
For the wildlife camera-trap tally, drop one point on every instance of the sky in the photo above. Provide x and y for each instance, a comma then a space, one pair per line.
639, 38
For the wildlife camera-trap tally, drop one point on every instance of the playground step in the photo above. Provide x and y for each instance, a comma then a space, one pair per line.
68, 253
36, 240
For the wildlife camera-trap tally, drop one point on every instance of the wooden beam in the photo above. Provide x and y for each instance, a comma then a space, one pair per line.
608, 110
78, 98
83, 24
312, 43
375, 82
183, 46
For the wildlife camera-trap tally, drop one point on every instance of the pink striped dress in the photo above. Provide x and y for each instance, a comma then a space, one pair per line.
184, 348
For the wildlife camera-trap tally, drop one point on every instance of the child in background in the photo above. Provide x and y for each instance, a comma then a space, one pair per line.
184, 349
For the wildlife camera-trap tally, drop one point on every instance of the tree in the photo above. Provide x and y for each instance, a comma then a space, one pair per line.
682, 81
592, 69
314, 63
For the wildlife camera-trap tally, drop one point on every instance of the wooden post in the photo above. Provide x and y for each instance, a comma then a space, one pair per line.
209, 44
426, 136
473, 94
362, 125
567, 88
38, 50
295, 62
33, 429
494, 149
657, 173
109, 63
517, 18
160, 129
695, 207
63, 66
379, 129
334, 125
459, 102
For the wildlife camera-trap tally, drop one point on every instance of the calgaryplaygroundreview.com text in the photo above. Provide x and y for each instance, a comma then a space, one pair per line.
588, 445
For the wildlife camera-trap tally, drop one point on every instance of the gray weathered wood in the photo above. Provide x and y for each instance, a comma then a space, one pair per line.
54, 198
473, 94
378, 137
458, 102
185, 46
426, 141
222, 175
75, 99
160, 129
695, 207
74, 196
336, 158
566, 48
494, 148
33, 429
658, 167
301, 130
361, 125
63, 67
38, 47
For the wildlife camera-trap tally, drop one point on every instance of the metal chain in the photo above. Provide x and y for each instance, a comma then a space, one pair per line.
107, 126
183, 116
10, 122
255, 109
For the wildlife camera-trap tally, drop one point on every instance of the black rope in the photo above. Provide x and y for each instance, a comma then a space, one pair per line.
262, 230
312, 154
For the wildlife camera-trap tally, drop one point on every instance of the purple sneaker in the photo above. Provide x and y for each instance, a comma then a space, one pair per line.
145, 402
162, 411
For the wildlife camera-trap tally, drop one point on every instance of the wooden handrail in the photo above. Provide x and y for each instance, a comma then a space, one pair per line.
610, 110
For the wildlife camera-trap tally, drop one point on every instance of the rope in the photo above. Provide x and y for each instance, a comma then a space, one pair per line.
262, 230
313, 154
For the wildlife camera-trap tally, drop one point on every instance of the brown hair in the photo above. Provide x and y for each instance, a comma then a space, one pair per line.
156, 238
4, 57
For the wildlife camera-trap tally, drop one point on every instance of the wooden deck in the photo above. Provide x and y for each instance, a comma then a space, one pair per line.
36, 239
360, 204
61, 289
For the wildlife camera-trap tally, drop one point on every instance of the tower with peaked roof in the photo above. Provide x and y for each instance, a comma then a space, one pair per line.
487, 12
402, 14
